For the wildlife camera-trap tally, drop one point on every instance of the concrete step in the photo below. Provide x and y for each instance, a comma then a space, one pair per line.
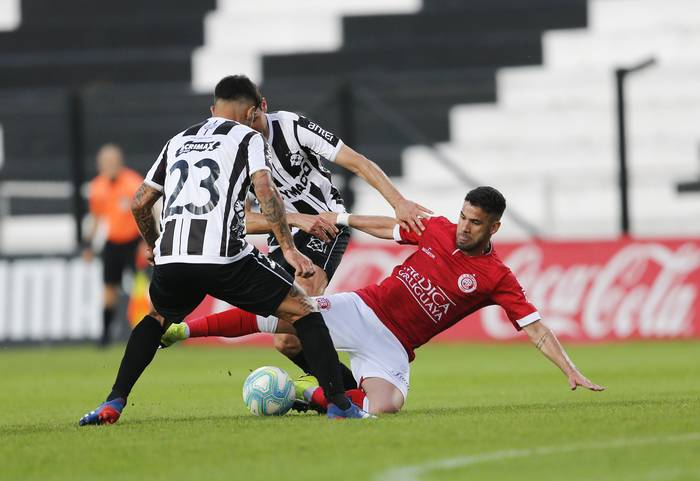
579, 48
538, 87
474, 123
258, 10
645, 15
489, 162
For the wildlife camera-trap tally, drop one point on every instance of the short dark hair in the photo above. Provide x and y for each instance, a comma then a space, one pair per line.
489, 199
238, 87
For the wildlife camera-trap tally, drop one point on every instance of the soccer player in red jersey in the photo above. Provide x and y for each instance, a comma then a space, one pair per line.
454, 272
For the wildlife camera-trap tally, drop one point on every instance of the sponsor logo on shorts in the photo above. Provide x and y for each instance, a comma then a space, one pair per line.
316, 245
323, 303
401, 378
467, 283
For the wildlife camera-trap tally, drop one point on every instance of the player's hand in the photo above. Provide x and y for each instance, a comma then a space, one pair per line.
577, 379
303, 267
317, 225
150, 256
409, 215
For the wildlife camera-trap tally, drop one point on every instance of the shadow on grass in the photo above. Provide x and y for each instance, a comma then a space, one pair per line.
19, 429
26, 429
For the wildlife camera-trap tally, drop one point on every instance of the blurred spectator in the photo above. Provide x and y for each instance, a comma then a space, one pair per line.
110, 203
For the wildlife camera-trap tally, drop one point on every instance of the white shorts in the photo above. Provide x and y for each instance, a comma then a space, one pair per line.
374, 350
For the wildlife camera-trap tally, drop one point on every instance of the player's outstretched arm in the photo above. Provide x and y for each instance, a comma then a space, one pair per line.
316, 225
544, 339
408, 213
273, 208
378, 226
142, 210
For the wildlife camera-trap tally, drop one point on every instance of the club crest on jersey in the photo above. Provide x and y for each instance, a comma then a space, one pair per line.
295, 159
198, 147
316, 245
323, 303
467, 283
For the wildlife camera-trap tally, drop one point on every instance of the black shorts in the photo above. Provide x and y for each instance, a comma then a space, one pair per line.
252, 283
325, 256
116, 258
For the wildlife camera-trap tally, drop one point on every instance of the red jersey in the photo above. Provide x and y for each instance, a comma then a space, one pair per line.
438, 285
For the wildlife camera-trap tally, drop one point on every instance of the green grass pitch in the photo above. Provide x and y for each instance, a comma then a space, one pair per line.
475, 412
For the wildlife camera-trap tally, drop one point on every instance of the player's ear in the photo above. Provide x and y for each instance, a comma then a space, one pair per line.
211, 109
250, 115
263, 105
495, 226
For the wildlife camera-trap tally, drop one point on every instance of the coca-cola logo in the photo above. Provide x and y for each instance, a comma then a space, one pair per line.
467, 283
639, 290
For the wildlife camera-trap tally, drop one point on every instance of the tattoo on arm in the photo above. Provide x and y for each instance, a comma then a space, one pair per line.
272, 207
141, 208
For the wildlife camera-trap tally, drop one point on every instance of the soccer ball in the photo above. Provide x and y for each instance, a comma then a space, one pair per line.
268, 391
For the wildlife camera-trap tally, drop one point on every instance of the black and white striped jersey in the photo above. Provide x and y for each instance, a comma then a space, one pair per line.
204, 174
299, 148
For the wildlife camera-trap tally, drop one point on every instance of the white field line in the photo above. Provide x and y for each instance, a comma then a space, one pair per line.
416, 471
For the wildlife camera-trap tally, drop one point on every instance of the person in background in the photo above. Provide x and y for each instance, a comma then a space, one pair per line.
110, 197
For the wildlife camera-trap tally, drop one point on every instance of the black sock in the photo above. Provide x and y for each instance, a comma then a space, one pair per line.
321, 357
107, 316
140, 350
349, 381
300, 360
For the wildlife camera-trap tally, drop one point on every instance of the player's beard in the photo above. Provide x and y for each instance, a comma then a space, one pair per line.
468, 245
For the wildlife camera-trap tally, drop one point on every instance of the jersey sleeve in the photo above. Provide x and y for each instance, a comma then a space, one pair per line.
156, 175
403, 236
259, 155
321, 141
510, 295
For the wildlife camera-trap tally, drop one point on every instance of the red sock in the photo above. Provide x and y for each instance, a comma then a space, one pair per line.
357, 397
232, 323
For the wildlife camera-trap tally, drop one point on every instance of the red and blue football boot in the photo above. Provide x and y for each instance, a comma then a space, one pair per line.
106, 413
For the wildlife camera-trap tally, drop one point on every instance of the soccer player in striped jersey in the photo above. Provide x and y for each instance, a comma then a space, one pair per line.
300, 147
203, 174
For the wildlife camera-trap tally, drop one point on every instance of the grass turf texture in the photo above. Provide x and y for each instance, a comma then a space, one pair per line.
186, 420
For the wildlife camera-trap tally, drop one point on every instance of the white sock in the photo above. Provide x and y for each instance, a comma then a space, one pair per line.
267, 324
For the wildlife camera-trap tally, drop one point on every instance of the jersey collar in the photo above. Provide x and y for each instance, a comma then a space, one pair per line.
488, 252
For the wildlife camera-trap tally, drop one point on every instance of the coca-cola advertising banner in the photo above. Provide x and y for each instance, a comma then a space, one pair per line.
585, 291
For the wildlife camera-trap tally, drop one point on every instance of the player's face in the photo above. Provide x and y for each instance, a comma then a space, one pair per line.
475, 228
